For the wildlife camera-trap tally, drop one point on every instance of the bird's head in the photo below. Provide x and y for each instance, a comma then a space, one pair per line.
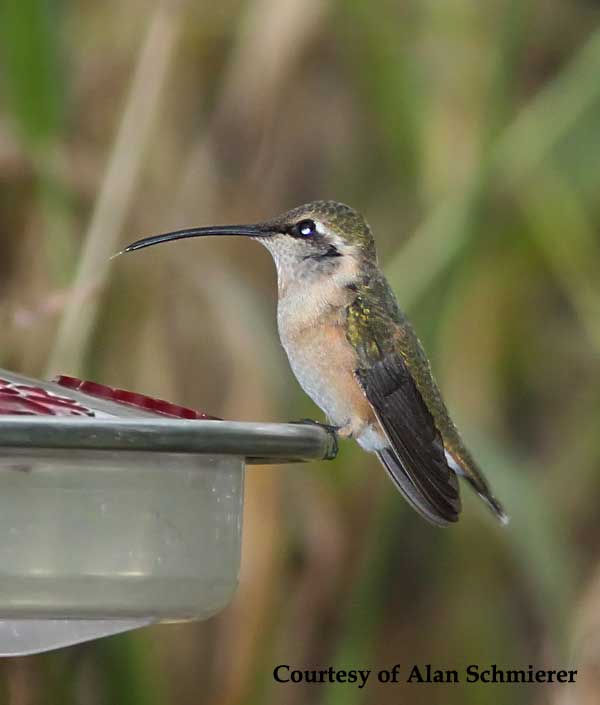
313, 239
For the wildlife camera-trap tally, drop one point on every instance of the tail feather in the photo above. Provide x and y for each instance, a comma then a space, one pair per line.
475, 478
421, 503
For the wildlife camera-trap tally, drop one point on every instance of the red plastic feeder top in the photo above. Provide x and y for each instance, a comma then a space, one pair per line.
29, 400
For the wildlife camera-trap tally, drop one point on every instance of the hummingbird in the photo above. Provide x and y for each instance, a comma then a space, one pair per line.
355, 353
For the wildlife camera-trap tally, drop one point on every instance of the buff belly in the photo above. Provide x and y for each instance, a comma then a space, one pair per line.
324, 362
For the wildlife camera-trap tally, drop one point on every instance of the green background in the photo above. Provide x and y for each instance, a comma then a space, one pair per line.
468, 133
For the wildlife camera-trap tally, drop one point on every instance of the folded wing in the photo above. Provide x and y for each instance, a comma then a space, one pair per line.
415, 459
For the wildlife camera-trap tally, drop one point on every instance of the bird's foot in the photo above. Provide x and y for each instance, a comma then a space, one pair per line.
346, 432
331, 430
312, 422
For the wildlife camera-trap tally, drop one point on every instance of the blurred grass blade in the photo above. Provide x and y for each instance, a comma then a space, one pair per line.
563, 232
380, 54
129, 661
121, 176
366, 600
32, 79
552, 114
521, 147
512, 41
34, 82
535, 536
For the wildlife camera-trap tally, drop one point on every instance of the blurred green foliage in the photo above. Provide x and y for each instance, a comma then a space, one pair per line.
468, 135
33, 81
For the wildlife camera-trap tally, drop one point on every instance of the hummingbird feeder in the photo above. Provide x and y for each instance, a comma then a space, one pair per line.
118, 510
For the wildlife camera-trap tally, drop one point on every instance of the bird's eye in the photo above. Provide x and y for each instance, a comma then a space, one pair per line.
306, 228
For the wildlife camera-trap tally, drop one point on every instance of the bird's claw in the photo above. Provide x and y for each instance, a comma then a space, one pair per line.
331, 430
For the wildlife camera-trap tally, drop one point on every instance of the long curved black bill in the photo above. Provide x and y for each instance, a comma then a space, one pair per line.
242, 230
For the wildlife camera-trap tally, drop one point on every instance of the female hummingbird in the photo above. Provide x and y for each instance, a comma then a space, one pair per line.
356, 355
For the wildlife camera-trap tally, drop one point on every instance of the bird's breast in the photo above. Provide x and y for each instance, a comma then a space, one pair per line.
324, 362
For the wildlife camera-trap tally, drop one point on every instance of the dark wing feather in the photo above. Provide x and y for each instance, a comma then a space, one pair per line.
416, 459
411, 494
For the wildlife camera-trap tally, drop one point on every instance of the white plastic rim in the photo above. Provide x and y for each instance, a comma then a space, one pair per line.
24, 637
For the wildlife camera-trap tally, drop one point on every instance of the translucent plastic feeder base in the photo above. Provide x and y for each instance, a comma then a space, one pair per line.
118, 510
102, 535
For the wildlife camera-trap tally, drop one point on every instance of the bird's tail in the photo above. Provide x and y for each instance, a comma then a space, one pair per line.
467, 468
